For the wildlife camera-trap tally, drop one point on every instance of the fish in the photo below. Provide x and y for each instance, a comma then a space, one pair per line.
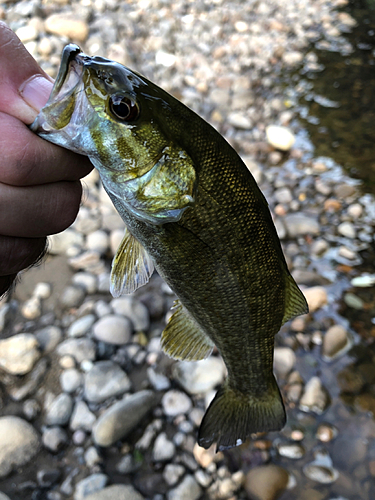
194, 212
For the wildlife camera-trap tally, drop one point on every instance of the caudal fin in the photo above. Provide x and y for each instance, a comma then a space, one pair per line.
232, 416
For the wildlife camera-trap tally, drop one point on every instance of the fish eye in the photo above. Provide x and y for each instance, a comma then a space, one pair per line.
123, 108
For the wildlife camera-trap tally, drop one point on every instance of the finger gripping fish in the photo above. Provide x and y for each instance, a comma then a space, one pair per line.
193, 210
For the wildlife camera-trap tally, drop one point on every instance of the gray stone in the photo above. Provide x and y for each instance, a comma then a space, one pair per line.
19, 443
30, 382
315, 398
89, 485
87, 281
298, 224
283, 195
158, 381
116, 492
188, 489
104, 380
60, 410
175, 403
164, 449
122, 417
81, 326
98, 241
3, 496
113, 329
18, 354
82, 418
54, 438
172, 473
92, 457
336, 342
71, 380
48, 338
58, 244
80, 349
284, 360
134, 310
72, 297
199, 377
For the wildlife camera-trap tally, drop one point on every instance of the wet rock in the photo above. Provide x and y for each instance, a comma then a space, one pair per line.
321, 470
336, 342
80, 349
199, 377
326, 432
294, 451
47, 477
71, 380
19, 443
89, 485
298, 224
134, 310
18, 354
67, 25
315, 398
164, 449
113, 329
347, 229
60, 410
283, 195
104, 380
158, 381
82, 418
122, 417
354, 301
316, 297
266, 482
54, 438
188, 489
116, 492
205, 457
284, 361
175, 403
81, 326
280, 137
172, 473
238, 120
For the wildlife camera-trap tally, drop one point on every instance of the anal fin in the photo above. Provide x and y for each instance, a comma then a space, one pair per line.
131, 266
295, 302
183, 338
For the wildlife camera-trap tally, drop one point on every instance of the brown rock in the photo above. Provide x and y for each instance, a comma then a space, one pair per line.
266, 482
67, 25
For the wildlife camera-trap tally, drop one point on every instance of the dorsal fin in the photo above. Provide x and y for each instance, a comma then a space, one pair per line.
183, 338
295, 302
131, 266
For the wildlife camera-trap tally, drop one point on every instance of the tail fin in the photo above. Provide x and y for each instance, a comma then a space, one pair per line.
232, 416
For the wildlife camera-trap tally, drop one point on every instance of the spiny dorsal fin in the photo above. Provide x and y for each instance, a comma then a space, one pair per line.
295, 302
131, 266
182, 338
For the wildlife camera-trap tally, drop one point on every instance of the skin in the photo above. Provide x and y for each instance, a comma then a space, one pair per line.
40, 191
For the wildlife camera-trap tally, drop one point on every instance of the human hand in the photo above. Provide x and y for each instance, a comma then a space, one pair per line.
40, 191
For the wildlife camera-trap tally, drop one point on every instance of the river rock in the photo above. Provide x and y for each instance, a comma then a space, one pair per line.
316, 297
72, 297
3, 496
59, 244
280, 137
315, 397
122, 417
54, 438
321, 470
18, 354
87, 281
266, 482
134, 310
199, 377
90, 484
113, 329
172, 473
104, 380
284, 360
80, 349
188, 489
59, 411
81, 326
49, 338
82, 418
175, 403
71, 380
67, 25
164, 449
347, 229
336, 342
116, 492
19, 443
98, 241
298, 224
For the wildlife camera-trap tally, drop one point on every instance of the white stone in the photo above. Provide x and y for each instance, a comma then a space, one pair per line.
18, 354
175, 403
315, 397
280, 137
164, 449
199, 377
284, 360
81, 326
98, 241
58, 244
42, 290
113, 329
188, 489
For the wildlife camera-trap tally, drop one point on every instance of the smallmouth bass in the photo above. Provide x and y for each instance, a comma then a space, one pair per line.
193, 210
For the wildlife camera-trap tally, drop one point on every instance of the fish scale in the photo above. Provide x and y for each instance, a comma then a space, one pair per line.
193, 210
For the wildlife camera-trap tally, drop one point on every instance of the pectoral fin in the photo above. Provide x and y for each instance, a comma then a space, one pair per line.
182, 338
131, 266
295, 302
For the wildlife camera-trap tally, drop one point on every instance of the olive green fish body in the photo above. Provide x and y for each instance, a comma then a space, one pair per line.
188, 200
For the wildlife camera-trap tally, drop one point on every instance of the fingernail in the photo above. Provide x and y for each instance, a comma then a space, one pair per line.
36, 91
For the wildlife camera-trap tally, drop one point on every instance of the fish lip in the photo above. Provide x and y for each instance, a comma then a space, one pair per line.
69, 54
